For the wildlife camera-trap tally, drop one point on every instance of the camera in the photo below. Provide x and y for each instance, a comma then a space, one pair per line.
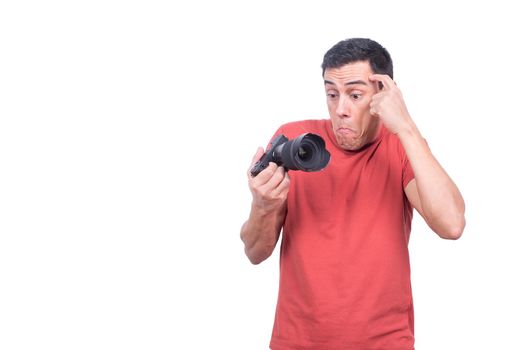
306, 152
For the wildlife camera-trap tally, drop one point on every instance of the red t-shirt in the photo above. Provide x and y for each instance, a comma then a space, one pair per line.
344, 262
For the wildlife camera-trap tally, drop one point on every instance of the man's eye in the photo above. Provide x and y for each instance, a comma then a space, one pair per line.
331, 95
355, 96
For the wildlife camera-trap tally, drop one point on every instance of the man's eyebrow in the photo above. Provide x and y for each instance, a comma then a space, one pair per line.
353, 82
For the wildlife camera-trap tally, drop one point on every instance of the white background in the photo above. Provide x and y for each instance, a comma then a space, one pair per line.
127, 128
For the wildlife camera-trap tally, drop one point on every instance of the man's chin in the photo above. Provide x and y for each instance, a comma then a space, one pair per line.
349, 146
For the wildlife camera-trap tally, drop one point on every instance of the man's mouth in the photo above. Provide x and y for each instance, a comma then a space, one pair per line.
346, 131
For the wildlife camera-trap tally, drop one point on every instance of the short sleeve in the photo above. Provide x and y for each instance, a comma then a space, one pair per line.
407, 171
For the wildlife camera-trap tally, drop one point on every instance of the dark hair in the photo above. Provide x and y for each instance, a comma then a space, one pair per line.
359, 49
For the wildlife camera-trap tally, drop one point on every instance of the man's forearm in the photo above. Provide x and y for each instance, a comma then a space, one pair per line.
260, 232
442, 204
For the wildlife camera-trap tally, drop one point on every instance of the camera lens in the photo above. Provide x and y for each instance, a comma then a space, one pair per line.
307, 153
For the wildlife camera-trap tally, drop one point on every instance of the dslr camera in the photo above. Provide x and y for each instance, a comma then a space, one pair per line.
306, 152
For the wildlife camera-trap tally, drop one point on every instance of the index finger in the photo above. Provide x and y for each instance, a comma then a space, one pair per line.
257, 156
386, 80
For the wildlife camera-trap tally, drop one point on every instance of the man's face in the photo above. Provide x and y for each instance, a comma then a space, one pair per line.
349, 92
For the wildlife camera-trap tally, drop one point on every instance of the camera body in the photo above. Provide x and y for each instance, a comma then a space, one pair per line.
307, 152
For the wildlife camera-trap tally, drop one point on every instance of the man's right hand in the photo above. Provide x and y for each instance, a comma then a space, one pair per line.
268, 210
270, 187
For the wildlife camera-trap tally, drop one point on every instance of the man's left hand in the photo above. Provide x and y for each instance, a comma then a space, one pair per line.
388, 105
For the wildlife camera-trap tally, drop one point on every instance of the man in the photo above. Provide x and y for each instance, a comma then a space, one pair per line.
344, 268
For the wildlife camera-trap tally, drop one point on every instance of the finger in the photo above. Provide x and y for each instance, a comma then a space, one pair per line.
377, 98
374, 108
386, 80
256, 157
276, 178
264, 176
283, 186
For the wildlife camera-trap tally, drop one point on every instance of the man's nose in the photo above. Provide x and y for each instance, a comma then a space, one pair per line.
344, 107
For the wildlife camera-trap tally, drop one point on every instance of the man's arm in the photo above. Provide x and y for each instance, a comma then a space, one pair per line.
268, 210
432, 192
